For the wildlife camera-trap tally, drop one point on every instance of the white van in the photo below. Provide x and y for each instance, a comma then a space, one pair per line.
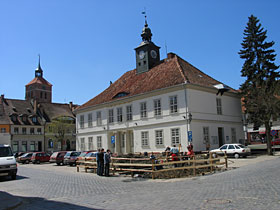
8, 165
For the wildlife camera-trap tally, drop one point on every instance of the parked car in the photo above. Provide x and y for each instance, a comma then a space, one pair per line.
25, 158
235, 150
83, 155
91, 155
275, 142
71, 158
8, 165
18, 154
39, 157
58, 157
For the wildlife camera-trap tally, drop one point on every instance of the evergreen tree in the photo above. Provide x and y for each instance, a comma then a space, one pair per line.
261, 88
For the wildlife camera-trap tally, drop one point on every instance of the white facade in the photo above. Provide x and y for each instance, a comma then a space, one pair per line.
155, 133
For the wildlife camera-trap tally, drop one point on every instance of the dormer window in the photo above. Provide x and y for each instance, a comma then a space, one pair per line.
34, 119
121, 94
14, 118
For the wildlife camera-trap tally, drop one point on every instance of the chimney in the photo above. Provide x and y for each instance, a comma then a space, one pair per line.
71, 105
2, 97
170, 55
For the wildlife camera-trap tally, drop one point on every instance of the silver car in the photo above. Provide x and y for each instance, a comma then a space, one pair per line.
235, 150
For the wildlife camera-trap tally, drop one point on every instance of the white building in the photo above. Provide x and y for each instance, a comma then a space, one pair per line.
156, 104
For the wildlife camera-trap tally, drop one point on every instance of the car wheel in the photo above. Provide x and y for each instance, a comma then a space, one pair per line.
27, 161
14, 176
58, 164
71, 164
236, 155
214, 155
38, 161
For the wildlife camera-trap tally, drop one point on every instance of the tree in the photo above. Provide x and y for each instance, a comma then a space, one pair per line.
61, 127
261, 88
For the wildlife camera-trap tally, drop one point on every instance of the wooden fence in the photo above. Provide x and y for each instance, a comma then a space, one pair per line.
161, 165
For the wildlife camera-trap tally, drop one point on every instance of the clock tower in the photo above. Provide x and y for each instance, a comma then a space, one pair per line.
147, 53
39, 89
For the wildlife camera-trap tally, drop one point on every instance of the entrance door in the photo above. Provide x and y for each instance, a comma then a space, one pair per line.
221, 136
39, 146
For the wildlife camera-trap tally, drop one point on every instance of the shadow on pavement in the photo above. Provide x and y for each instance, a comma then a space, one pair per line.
8, 178
9, 202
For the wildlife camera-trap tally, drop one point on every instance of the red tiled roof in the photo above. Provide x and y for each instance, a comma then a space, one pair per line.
170, 72
39, 80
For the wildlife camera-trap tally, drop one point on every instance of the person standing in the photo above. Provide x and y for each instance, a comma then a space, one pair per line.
97, 161
100, 157
107, 160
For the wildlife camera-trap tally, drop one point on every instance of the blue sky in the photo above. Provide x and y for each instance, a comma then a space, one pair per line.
85, 44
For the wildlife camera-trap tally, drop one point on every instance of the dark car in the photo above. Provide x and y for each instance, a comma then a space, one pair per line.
71, 158
58, 157
25, 158
39, 157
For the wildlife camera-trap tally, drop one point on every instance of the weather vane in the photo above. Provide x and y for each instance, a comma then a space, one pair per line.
145, 14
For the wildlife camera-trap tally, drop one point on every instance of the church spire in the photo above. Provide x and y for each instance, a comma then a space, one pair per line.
39, 71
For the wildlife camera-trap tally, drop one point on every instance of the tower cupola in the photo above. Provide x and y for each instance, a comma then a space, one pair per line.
147, 53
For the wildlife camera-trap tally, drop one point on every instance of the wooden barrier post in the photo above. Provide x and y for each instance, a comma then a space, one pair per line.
114, 168
194, 169
153, 168
211, 161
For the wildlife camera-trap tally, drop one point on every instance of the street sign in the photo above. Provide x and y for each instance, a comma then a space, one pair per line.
112, 139
190, 136
273, 133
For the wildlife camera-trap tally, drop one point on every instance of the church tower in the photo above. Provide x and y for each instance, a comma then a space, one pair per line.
39, 89
147, 53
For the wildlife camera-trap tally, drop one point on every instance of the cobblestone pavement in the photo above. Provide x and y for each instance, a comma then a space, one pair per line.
47, 186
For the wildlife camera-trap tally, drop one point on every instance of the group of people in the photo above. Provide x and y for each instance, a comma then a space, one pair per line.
103, 160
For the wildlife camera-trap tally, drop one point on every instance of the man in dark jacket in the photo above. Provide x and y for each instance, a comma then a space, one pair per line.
100, 162
107, 160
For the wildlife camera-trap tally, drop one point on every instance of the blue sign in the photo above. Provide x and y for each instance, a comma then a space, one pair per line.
273, 132
190, 136
113, 139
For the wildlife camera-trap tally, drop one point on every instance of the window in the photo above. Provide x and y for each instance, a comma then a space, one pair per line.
175, 136
145, 138
173, 104
129, 113
50, 143
119, 114
24, 146
99, 142
90, 143
50, 129
82, 121
45, 95
15, 146
90, 120
223, 147
143, 110
16, 130
98, 118
206, 135
32, 146
219, 106
157, 107
159, 137
3, 130
233, 135
39, 130
31, 130
111, 115
82, 144
231, 147
23, 130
